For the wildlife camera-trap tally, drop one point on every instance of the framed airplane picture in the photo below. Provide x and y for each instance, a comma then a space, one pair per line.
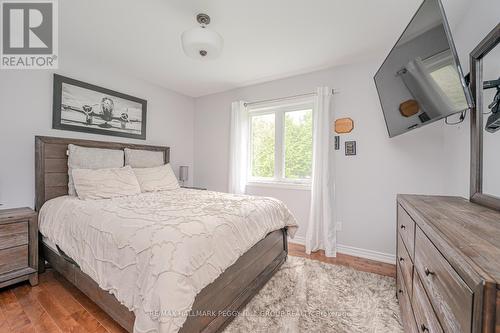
84, 107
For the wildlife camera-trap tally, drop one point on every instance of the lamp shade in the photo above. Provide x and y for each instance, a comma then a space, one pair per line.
183, 173
202, 43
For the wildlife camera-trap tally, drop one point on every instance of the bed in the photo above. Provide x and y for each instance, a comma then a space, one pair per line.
215, 305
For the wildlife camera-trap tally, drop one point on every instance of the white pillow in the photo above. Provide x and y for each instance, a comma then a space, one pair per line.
105, 183
91, 158
137, 158
160, 178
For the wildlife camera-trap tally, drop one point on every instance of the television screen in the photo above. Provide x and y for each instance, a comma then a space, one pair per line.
421, 80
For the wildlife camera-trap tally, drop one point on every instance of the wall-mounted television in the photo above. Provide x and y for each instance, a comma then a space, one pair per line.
421, 80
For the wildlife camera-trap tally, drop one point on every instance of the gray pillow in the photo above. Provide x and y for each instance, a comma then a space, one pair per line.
138, 158
91, 158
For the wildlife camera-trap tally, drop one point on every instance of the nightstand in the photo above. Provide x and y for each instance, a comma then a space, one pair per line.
195, 188
18, 246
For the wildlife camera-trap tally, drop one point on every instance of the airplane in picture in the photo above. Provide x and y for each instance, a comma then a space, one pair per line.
100, 114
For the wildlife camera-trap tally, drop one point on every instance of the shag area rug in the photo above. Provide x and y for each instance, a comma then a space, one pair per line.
310, 296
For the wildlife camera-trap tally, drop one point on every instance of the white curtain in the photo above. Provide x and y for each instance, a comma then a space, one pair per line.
321, 227
237, 148
432, 99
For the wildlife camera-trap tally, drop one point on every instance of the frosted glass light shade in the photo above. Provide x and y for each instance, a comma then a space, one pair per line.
202, 43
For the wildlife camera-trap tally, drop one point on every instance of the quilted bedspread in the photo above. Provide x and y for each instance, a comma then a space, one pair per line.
156, 251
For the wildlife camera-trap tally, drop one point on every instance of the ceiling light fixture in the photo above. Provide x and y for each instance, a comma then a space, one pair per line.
201, 42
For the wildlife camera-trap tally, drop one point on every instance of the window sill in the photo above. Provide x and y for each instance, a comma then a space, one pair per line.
282, 185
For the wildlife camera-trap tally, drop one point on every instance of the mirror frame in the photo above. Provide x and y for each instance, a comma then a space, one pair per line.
476, 161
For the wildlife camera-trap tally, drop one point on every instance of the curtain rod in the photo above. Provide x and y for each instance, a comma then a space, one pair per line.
334, 91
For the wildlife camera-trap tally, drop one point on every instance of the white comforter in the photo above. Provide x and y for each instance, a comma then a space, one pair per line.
156, 251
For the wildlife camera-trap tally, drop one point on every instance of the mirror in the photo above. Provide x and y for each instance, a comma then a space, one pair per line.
491, 123
485, 121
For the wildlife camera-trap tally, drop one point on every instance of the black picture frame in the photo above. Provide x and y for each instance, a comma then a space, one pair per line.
107, 123
350, 148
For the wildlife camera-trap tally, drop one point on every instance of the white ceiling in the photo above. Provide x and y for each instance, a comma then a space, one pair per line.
263, 39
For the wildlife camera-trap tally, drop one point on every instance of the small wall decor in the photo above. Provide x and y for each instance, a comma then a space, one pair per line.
424, 117
83, 107
350, 148
409, 108
344, 125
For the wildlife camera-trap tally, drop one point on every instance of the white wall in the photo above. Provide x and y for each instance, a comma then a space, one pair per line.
26, 111
367, 184
481, 17
433, 159
430, 160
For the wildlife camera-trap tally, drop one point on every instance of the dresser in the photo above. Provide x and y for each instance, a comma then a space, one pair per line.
448, 265
18, 246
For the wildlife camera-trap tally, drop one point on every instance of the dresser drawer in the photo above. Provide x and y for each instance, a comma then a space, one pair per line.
13, 234
405, 264
407, 317
406, 228
451, 298
13, 258
424, 314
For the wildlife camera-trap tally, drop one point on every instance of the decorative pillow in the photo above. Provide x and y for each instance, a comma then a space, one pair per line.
160, 178
137, 158
105, 183
91, 158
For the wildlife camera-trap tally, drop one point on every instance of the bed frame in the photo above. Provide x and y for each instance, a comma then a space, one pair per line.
218, 302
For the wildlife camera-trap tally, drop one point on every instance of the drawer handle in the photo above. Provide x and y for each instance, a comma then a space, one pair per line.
401, 259
428, 272
403, 226
424, 328
400, 291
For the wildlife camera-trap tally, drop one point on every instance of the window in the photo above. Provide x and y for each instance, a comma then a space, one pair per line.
280, 145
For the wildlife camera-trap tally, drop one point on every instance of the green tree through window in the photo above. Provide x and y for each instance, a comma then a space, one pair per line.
298, 144
262, 141
294, 141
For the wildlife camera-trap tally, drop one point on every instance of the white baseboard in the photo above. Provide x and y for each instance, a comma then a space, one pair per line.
355, 251
297, 240
367, 254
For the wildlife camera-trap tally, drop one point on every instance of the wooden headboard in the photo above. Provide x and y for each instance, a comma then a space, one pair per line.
51, 163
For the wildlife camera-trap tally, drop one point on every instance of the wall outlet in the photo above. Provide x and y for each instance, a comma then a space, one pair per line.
339, 226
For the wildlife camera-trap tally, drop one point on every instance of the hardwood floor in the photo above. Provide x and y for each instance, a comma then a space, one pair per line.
357, 263
56, 306
52, 306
